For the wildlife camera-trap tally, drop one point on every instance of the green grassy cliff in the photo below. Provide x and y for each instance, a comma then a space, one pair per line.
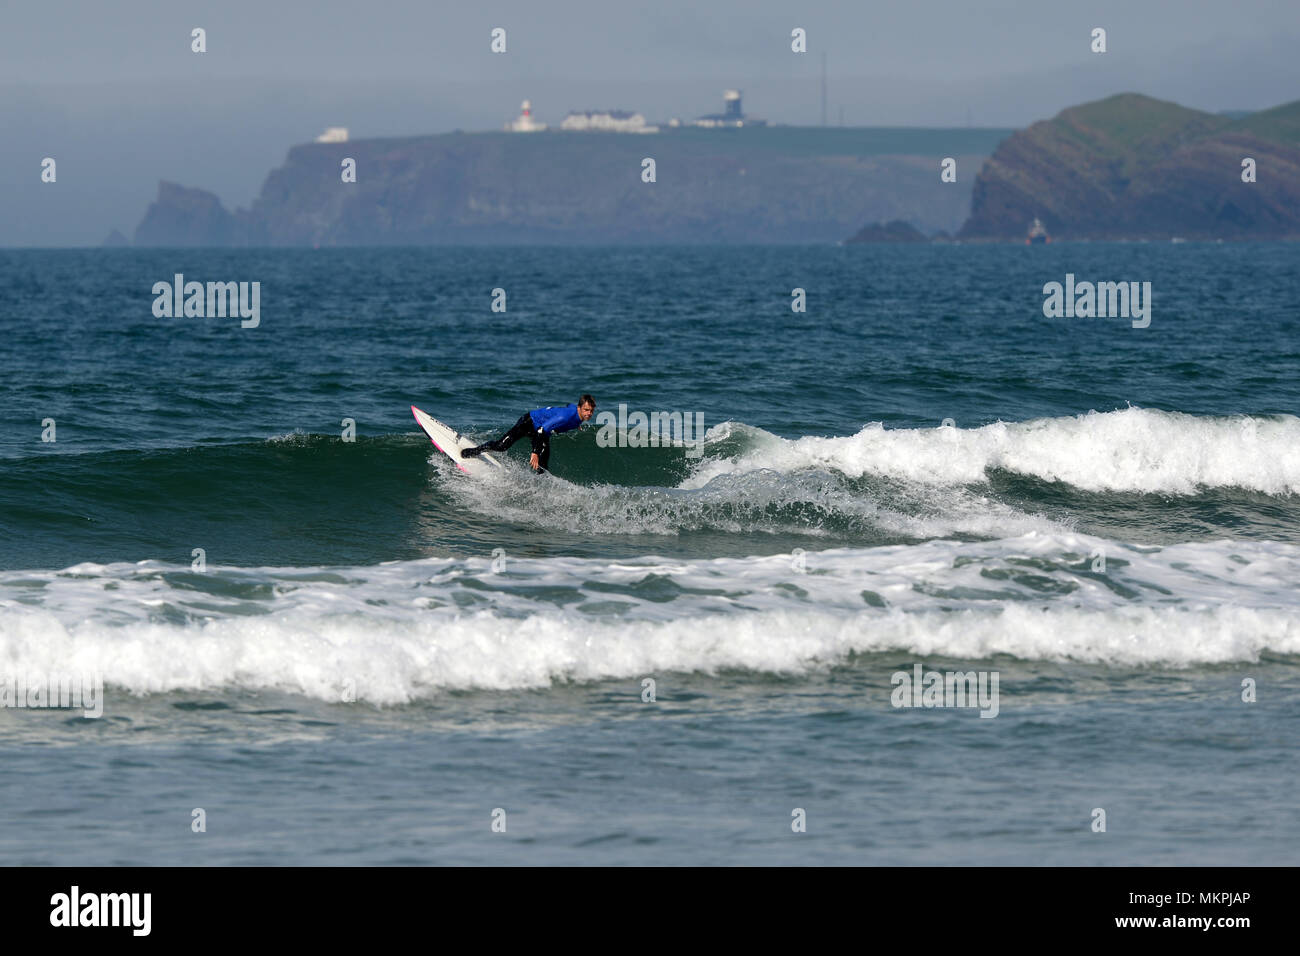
1134, 167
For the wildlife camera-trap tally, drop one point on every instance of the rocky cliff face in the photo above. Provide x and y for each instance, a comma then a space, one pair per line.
773, 185
1133, 167
186, 217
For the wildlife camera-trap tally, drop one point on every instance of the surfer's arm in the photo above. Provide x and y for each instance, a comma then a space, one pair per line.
541, 441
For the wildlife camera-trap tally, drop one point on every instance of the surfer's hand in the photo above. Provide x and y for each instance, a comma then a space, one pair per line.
532, 460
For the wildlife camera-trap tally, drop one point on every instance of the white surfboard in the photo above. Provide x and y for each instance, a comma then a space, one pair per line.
448, 441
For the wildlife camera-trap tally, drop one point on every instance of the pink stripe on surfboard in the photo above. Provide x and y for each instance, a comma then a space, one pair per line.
435, 444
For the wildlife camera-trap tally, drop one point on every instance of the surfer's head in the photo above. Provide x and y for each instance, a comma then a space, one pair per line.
586, 407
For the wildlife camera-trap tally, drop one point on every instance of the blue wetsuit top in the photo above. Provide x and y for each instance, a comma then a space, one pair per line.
555, 418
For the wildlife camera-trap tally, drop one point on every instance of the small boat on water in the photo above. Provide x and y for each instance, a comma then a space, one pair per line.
1037, 233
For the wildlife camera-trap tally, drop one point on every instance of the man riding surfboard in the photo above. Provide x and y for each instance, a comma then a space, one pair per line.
540, 424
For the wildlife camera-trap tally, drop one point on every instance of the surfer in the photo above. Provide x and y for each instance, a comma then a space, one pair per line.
539, 425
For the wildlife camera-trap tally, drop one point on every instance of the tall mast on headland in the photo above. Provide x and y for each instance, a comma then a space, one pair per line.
823, 89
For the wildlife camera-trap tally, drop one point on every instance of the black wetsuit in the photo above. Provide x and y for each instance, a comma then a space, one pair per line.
541, 441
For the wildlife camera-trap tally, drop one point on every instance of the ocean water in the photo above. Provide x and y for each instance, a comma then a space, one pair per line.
345, 651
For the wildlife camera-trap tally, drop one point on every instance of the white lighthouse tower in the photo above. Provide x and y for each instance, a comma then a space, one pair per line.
525, 123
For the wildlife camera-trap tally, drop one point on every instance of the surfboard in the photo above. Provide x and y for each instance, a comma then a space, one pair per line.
449, 441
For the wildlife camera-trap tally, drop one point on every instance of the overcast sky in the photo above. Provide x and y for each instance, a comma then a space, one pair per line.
112, 91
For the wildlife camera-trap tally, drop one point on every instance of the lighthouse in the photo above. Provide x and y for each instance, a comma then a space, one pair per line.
525, 123
731, 106
732, 114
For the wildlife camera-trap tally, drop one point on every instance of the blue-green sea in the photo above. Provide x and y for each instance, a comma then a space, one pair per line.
320, 643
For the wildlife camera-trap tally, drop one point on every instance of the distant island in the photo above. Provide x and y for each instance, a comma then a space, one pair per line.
760, 184
896, 231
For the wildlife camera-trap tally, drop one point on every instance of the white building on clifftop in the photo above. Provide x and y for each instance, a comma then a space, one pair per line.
608, 121
333, 134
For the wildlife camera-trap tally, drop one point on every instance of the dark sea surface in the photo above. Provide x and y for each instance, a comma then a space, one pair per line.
346, 651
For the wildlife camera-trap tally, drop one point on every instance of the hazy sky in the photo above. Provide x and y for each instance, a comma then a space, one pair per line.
112, 91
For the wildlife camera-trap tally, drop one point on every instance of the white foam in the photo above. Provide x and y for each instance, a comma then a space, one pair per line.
1133, 449
407, 630
762, 500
